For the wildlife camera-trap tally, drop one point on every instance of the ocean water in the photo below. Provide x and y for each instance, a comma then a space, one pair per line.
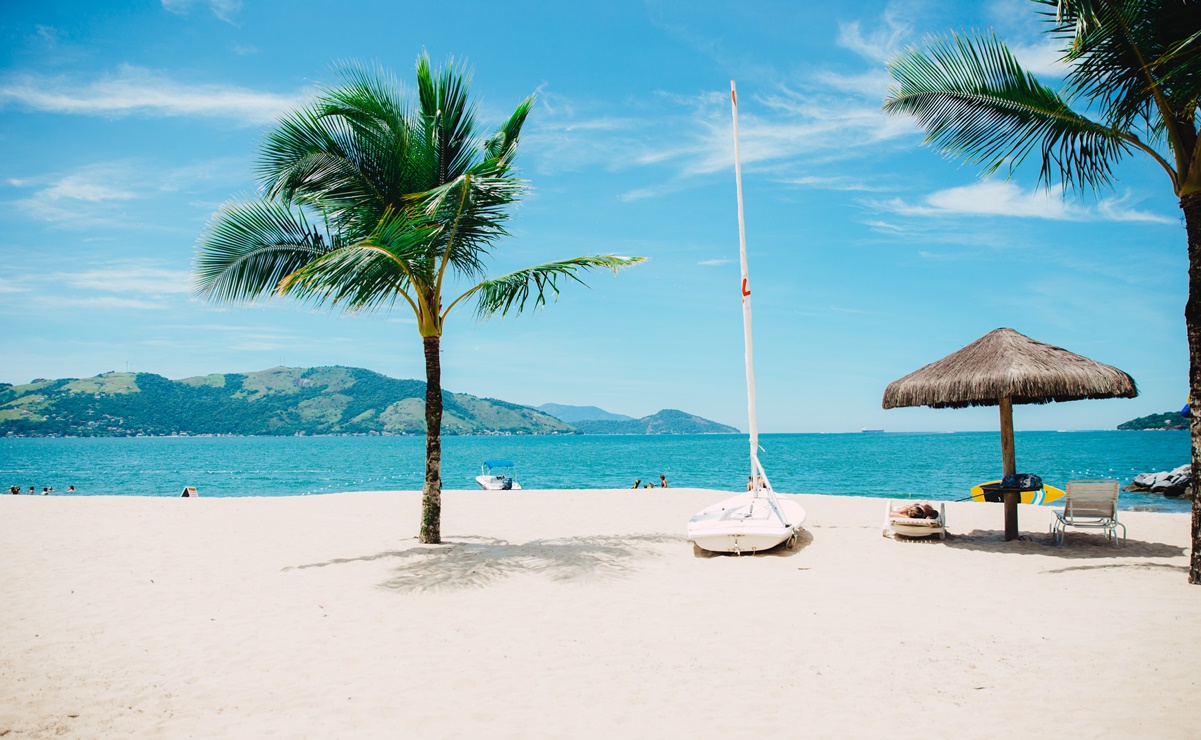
936, 466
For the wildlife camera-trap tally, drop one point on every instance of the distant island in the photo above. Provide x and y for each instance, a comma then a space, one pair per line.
282, 401
1169, 420
667, 421
572, 414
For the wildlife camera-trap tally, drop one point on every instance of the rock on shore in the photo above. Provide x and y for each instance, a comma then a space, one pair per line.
1171, 483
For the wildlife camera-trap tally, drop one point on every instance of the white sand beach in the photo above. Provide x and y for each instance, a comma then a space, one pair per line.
552, 614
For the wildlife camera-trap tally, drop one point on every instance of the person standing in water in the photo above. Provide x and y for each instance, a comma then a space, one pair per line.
663, 479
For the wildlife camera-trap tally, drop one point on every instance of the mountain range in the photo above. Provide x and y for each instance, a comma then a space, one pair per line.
572, 414
287, 401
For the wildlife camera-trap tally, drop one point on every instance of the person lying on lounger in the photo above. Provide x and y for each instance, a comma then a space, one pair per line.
916, 510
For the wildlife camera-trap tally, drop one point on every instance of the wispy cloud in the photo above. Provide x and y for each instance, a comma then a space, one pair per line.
836, 182
90, 195
1000, 198
137, 304
713, 263
130, 278
140, 285
781, 130
223, 9
879, 44
136, 90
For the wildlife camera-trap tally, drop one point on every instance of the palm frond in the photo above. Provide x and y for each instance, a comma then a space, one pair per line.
392, 262
1131, 58
511, 292
976, 102
251, 246
448, 117
503, 144
471, 210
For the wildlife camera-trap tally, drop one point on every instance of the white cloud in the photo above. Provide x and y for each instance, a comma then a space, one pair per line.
880, 44
837, 182
130, 278
126, 284
223, 9
138, 304
1041, 58
92, 195
137, 90
84, 197
83, 187
48, 34
712, 263
1000, 198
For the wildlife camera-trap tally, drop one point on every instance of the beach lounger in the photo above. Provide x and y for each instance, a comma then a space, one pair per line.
899, 524
1089, 504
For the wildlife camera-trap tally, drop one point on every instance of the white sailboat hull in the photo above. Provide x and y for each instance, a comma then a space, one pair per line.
745, 523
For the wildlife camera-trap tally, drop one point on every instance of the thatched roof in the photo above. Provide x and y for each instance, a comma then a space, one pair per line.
1004, 364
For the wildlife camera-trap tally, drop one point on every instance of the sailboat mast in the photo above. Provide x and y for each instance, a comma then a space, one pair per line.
756, 469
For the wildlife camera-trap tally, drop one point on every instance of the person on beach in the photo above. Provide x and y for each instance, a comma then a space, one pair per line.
916, 510
663, 479
750, 483
637, 484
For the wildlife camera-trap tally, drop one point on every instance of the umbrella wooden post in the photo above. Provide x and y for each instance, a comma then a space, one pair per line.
1009, 467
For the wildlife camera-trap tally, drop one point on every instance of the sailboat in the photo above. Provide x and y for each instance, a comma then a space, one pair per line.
758, 519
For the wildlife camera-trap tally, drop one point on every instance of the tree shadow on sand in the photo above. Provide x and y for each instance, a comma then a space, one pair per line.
475, 562
1079, 545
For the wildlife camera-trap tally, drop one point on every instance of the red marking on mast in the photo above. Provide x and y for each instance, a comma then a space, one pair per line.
734, 97
745, 292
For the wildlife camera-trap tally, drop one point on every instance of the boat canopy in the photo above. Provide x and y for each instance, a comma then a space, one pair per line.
499, 463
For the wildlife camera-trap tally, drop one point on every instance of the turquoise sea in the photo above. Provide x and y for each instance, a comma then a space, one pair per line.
939, 466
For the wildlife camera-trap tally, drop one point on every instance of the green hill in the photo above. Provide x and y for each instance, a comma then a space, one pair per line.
667, 421
279, 401
1166, 421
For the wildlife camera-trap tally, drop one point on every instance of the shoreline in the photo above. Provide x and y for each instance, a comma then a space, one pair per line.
579, 613
1149, 508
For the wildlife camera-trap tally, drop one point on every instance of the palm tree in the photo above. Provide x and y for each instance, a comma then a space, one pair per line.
1134, 73
369, 202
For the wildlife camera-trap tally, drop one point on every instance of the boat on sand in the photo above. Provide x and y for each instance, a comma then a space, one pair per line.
758, 519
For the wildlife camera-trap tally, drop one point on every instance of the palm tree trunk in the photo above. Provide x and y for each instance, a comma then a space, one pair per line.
1190, 203
431, 496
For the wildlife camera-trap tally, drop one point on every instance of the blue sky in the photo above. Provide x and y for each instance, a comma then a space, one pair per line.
124, 126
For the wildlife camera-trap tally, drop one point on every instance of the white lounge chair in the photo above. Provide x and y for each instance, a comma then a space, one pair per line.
1089, 504
895, 524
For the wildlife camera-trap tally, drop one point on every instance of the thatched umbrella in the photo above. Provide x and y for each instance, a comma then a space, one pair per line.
1002, 368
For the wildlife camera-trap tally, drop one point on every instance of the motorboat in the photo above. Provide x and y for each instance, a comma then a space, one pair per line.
758, 519
498, 475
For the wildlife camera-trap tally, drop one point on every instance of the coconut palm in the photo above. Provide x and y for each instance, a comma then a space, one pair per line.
369, 202
1132, 86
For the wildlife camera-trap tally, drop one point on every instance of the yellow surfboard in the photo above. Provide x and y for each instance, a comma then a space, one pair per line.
1044, 495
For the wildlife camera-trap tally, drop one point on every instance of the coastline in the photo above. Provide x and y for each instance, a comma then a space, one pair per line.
552, 613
